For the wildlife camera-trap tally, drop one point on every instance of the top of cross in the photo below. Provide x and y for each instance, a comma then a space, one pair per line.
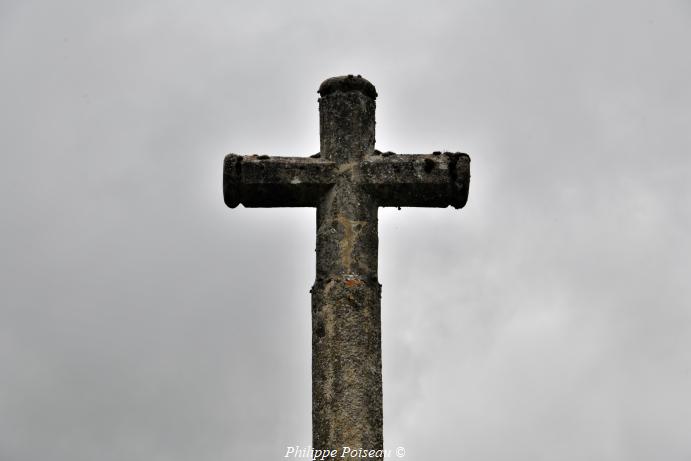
347, 83
348, 159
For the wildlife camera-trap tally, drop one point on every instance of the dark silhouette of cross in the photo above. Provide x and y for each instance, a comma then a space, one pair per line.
347, 182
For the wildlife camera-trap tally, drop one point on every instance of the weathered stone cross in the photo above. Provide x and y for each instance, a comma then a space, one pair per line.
347, 181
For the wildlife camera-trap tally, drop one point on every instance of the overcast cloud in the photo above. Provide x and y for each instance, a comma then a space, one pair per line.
142, 320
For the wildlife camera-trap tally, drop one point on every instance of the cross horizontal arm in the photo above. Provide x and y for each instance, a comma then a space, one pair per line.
263, 181
435, 180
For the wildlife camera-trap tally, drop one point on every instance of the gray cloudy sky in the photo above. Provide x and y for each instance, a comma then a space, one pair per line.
141, 320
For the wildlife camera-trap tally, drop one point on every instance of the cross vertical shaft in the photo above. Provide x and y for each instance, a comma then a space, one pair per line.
346, 306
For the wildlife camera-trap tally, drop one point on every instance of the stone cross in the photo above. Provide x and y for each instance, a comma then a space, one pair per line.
347, 181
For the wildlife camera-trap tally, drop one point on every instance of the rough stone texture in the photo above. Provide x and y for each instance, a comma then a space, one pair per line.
347, 182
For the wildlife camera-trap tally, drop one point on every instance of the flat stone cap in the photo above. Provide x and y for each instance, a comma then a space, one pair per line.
347, 83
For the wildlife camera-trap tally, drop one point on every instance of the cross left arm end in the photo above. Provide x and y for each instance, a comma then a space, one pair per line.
267, 181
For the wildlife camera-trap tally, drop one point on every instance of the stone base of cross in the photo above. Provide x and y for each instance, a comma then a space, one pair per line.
347, 182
